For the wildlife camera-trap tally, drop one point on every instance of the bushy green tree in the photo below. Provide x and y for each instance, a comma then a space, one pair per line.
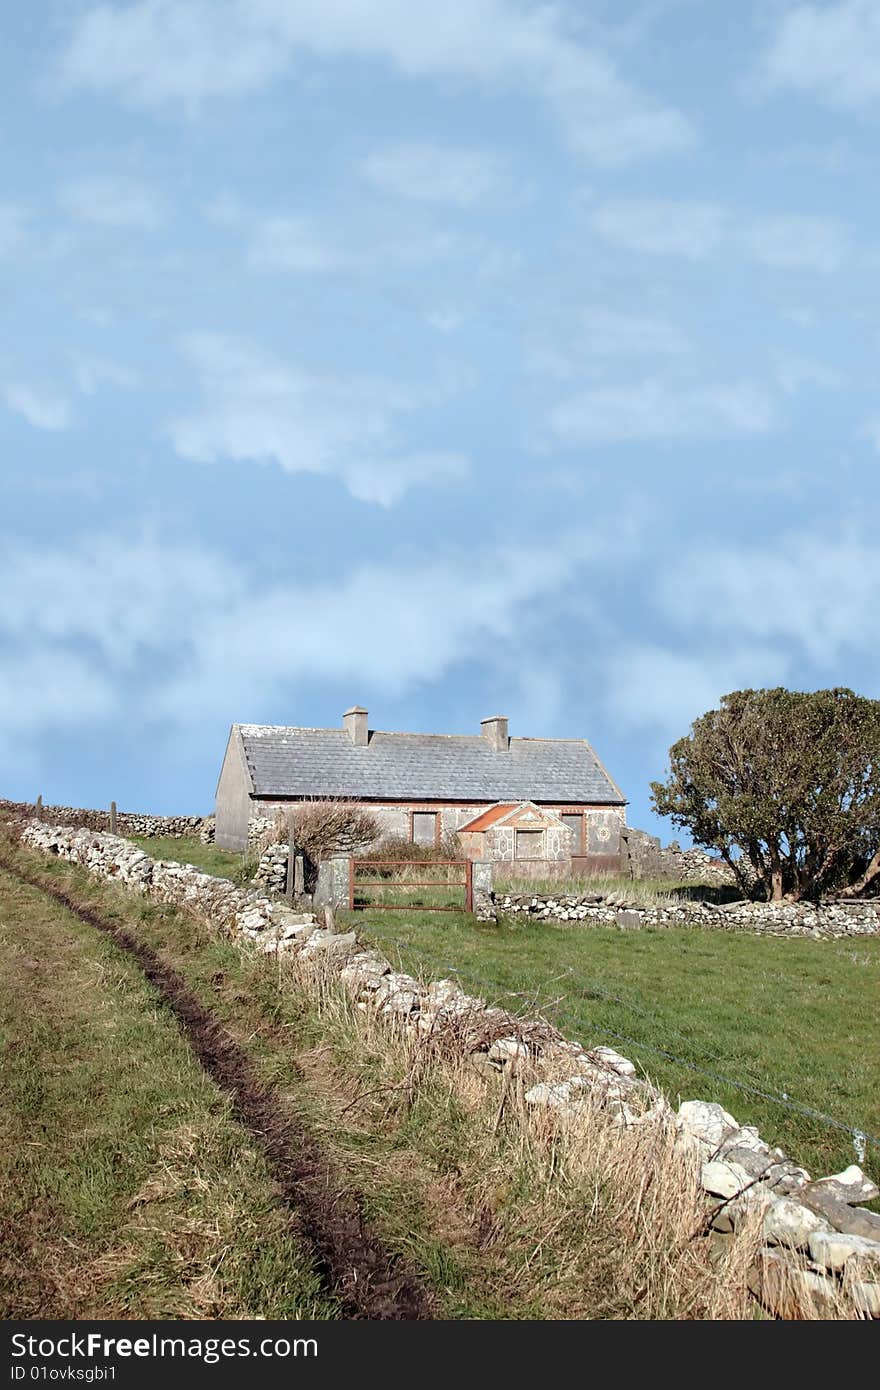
785, 785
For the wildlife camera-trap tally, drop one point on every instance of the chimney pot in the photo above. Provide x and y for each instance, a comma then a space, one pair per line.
354, 721
494, 731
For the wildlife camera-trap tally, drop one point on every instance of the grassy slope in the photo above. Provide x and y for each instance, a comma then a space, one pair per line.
799, 1017
126, 1187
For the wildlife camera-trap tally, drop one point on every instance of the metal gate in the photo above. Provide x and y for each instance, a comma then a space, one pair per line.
463, 881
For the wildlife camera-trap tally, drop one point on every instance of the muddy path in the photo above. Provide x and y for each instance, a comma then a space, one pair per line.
368, 1280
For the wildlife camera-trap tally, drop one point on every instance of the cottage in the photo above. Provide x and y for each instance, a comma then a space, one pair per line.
529, 799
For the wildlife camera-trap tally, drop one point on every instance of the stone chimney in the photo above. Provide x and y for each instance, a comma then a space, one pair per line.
354, 721
494, 731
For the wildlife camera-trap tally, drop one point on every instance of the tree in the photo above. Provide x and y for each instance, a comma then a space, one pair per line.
785, 785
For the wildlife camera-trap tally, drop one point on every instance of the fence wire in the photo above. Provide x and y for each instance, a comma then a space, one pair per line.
861, 1139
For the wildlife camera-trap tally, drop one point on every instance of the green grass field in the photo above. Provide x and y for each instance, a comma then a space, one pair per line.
797, 1018
224, 863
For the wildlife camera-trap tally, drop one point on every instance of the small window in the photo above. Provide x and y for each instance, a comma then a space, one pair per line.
424, 827
576, 826
529, 844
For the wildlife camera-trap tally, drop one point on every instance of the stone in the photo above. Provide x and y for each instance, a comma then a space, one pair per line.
364, 970
724, 1179
787, 1222
866, 1297
706, 1121
781, 1288
298, 933
286, 917
401, 1002
507, 1049
786, 1178
746, 1137
328, 944
606, 1056
481, 1061
852, 1186
751, 1204
855, 1221
610, 1083
834, 1250
553, 1096
757, 1165
395, 983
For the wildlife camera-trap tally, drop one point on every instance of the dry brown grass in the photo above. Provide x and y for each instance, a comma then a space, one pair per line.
584, 1218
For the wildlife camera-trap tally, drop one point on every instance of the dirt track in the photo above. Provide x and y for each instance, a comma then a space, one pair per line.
369, 1281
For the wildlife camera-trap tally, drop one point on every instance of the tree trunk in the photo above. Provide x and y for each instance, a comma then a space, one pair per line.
776, 893
872, 872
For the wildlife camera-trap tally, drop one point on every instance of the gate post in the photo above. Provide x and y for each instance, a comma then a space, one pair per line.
351, 883
469, 886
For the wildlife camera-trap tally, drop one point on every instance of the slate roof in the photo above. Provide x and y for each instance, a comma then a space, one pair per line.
422, 767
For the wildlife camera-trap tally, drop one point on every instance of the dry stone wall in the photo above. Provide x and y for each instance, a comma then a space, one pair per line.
818, 1237
823, 920
127, 822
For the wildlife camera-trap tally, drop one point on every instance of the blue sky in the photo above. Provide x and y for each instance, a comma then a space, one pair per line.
486, 357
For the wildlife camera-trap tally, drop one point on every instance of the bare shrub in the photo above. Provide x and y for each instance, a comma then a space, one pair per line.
397, 847
328, 827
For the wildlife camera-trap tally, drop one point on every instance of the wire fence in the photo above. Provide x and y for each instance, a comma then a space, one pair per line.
862, 1140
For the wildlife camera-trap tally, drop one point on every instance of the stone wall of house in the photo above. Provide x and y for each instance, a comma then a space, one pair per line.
817, 1237
615, 909
393, 820
646, 857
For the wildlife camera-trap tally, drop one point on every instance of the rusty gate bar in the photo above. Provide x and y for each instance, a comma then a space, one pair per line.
354, 882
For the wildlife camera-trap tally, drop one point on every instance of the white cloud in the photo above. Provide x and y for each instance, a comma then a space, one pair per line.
650, 686
830, 51
13, 220
111, 202
41, 689
655, 409
662, 227
182, 52
593, 336
296, 245
871, 431
795, 243
44, 407
793, 371
799, 609
818, 592
257, 409
702, 231
91, 372
229, 641
447, 320
433, 173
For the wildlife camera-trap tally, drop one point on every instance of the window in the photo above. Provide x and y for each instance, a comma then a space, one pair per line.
424, 827
575, 824
529, 844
